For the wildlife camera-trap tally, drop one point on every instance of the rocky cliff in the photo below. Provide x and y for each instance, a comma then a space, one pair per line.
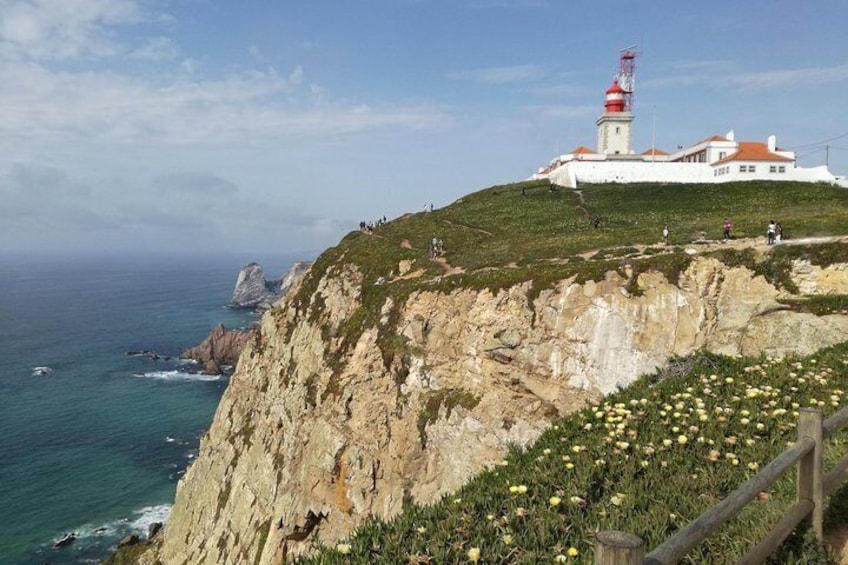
340, 409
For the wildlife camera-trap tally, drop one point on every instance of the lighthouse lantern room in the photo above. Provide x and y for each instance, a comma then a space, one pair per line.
615, 124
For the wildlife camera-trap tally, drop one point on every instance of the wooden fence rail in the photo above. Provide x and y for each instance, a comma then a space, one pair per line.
812, 486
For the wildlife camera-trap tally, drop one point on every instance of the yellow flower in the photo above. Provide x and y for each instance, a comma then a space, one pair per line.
507, 539
617, 499
577, 500
513, 489
421, 529
555, 500
560, 558
572, 552
522, 489
343, 548
547, 451
569, 466
474, 554
681, 439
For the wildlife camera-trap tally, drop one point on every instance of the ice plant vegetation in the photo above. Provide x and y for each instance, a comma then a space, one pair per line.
655, 456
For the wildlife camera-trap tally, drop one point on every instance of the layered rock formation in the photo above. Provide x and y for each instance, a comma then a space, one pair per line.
322, 426
253, 291
219, 350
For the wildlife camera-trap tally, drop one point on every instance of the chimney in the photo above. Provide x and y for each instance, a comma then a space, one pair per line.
731, 136
772, 143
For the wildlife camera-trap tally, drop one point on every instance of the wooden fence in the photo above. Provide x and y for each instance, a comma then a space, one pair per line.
620, 548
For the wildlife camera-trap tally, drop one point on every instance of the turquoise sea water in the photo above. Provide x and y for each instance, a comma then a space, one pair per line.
96, 445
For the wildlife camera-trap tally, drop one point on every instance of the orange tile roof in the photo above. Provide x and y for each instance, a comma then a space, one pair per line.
583, 150
713, 138
753, 151
654, 151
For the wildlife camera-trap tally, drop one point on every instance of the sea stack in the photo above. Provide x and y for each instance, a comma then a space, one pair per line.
254, 292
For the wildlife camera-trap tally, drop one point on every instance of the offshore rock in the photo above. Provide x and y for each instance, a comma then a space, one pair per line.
254, 292
221, 348
320, 428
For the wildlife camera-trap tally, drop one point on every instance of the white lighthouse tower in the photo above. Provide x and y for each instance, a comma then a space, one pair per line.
615, 125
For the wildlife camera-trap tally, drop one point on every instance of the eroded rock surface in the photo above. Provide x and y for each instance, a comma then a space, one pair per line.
306, 443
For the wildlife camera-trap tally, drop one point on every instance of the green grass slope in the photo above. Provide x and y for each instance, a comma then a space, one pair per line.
650, 458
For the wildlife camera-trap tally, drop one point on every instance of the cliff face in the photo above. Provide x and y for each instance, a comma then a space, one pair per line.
305, 443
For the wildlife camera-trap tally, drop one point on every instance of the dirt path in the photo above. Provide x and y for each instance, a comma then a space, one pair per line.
447, 267
478, 230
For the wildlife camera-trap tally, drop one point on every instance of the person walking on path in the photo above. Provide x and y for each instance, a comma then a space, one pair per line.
728, 225
770, 232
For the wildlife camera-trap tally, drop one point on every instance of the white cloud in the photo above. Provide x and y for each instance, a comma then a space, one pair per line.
499, 75
296, 76
157, 49
253, 107
786, 77
716, 73
61, 29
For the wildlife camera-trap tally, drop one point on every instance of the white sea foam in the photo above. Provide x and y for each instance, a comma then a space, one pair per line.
177, 376
149, 515
136, 524
41, 371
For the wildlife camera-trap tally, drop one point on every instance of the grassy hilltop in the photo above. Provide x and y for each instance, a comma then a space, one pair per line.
652, 457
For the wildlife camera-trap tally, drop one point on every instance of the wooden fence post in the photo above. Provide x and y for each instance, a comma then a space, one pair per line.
618, 548
809, 485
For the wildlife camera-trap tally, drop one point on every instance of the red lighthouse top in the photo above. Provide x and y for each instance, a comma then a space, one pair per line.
615, 98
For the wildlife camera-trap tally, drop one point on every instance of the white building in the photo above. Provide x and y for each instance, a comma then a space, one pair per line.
715, 159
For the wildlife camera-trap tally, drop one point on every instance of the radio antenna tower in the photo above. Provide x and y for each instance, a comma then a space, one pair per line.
627, 75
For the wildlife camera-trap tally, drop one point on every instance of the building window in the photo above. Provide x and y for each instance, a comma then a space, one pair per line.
617, 129
782, 169
772, 169
722, 155
743, 168
752, 169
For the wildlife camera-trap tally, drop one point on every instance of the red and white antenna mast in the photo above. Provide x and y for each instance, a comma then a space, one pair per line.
627, 75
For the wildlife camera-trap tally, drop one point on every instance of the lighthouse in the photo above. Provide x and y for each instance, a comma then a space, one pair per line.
615, 125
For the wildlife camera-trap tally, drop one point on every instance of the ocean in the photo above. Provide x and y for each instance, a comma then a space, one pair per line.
93, 440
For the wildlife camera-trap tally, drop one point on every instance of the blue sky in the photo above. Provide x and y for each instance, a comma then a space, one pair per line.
271, 126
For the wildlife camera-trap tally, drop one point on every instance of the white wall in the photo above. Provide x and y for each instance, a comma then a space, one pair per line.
573, 172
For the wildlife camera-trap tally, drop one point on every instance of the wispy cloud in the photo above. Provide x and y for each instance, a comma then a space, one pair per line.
499, 75
786, 77
728, 75
157, 49
50, 29
249, 107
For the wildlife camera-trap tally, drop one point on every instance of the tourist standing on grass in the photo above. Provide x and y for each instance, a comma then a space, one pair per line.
778, 233
728, 225
665, 234
770, 232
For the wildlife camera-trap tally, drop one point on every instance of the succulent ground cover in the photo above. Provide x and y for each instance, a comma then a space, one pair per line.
646, 460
